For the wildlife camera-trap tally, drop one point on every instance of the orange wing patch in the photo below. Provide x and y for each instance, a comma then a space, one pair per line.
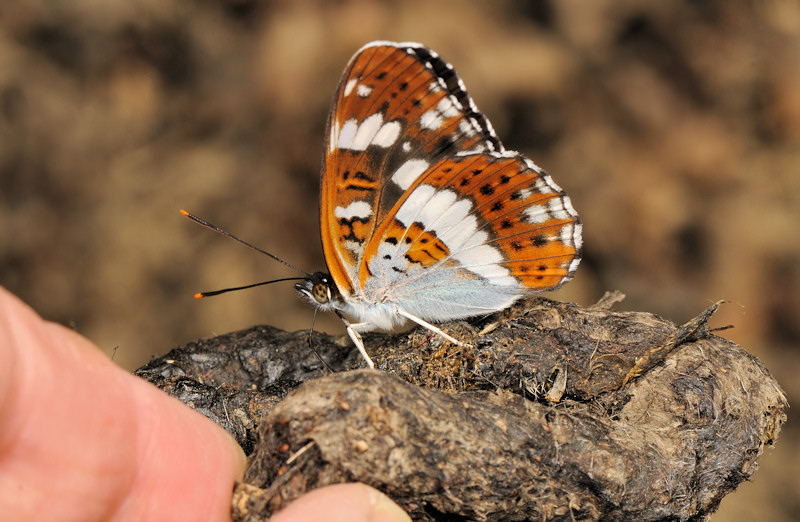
424, 248
347, 216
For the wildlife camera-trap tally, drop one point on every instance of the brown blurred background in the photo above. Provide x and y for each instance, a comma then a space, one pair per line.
674, 126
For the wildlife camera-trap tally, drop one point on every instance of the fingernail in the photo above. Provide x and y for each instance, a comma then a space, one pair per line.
385, 510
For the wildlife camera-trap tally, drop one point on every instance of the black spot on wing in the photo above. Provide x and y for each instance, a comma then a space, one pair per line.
444, 145
362, 175
359, 188
538, 240
348, 224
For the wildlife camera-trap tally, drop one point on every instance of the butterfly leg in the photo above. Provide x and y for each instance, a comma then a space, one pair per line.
352, 331
356, 337
429, 326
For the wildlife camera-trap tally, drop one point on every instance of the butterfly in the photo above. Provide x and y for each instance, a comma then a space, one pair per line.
425, 216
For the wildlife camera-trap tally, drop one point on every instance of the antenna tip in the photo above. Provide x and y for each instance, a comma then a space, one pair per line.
184, 213
199, 295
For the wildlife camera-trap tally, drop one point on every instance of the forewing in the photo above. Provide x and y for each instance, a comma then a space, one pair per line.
399, 109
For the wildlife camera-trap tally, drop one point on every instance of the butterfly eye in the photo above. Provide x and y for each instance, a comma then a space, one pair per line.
321, 292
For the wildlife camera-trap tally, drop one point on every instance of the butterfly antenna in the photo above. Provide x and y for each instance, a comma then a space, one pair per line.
200, 295
217, 229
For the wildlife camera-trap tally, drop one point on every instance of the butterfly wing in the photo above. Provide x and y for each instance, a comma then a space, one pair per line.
471, 235
421, 205
398, 110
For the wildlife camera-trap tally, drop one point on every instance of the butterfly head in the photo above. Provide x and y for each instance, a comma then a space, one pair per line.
318, 289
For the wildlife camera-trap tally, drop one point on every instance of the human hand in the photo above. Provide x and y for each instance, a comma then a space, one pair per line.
81, 439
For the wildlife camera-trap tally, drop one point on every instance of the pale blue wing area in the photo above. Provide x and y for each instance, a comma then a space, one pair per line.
437, 300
